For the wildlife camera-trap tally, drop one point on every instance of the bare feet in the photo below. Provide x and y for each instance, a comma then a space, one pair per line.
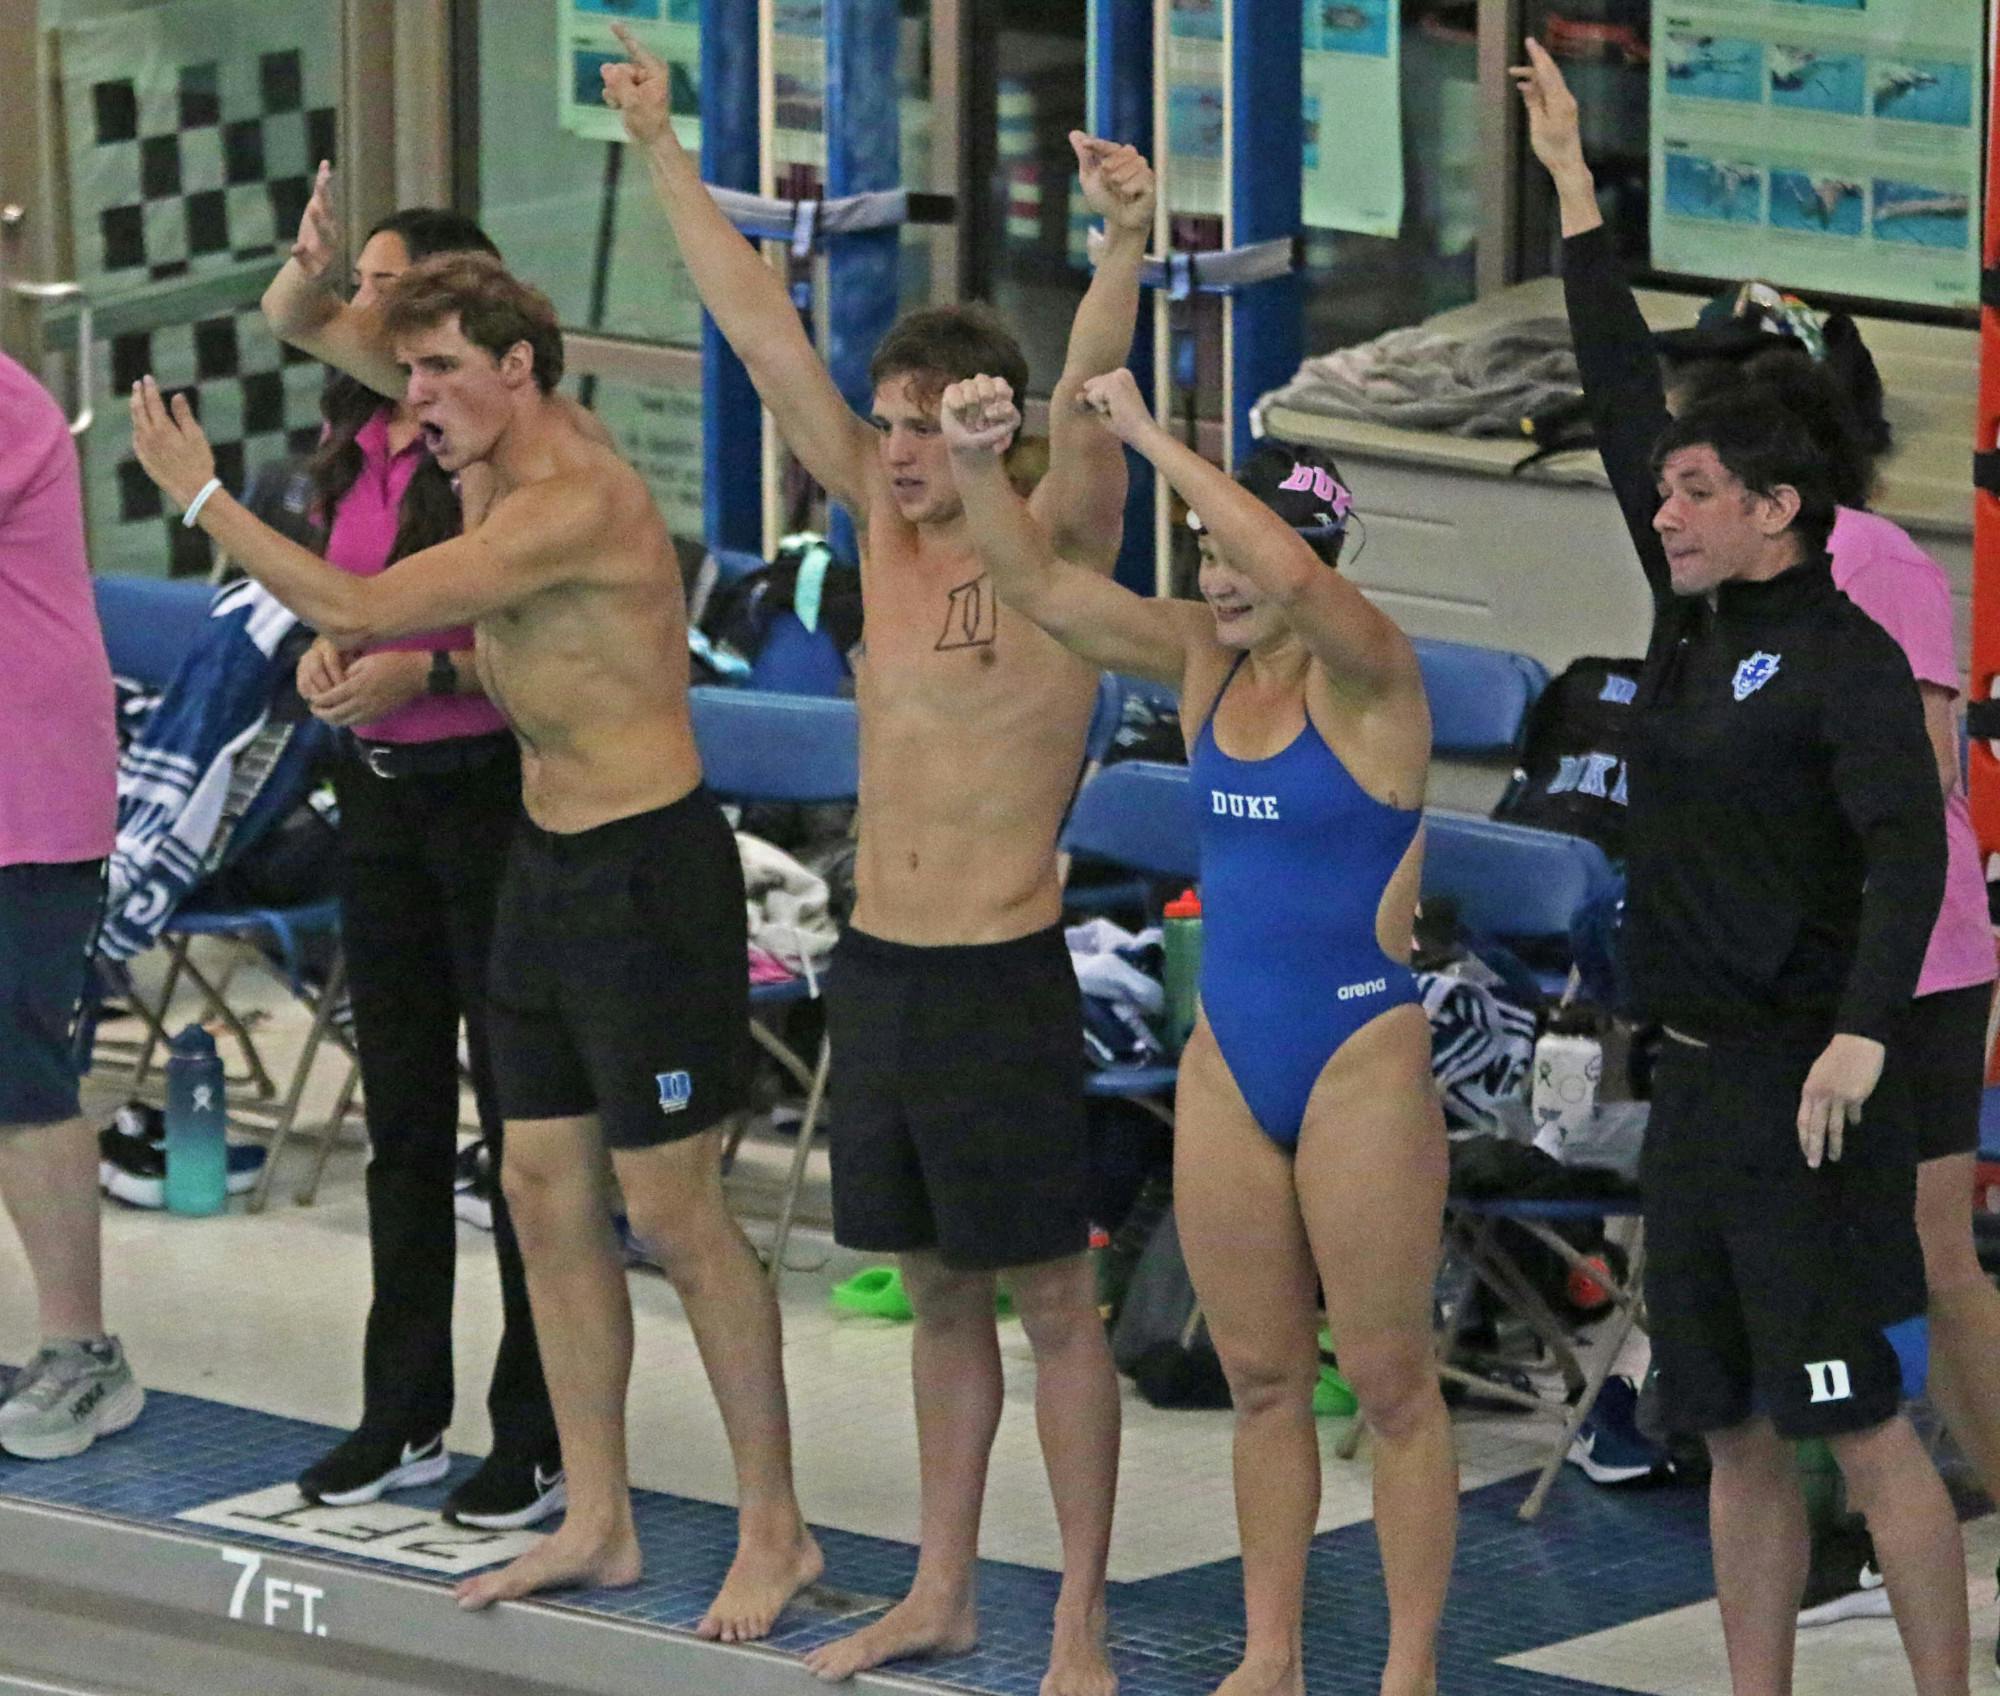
1078, 1662
762, 1579
917, 1625
571, 1558
1265, 1678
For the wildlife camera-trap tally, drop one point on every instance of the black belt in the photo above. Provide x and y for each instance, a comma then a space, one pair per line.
430, 759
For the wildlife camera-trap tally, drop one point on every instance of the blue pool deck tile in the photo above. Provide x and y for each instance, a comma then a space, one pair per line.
1595, 1559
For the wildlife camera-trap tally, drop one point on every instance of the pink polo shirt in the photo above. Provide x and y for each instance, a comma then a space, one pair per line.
1891, 579
360, 541
58, 739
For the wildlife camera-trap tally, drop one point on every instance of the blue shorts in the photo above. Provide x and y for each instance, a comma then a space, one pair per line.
48, 926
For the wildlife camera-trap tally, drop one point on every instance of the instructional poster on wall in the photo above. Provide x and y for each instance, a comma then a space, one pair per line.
585, 45
798, 84
1824, 144
1353, 116
1351, 111
1195, 127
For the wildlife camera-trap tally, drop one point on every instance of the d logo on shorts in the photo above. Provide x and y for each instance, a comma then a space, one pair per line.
1830, 1382
676, 1090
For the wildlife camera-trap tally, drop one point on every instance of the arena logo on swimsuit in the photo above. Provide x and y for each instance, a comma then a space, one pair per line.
1243, 806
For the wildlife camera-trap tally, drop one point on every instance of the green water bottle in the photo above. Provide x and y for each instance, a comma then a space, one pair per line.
1181, 937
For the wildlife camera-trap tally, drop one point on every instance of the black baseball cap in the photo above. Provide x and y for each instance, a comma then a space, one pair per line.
1750, 317
1301, 485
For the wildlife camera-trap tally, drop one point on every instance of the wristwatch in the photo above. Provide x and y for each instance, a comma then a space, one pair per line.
442, 678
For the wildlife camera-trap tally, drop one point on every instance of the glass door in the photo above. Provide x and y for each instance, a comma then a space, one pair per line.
145, 202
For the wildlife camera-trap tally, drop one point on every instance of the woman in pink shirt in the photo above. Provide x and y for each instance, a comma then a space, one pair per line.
428, 794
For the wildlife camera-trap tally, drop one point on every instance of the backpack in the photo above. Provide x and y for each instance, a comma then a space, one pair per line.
1160, 1338
1572, 772
820, 594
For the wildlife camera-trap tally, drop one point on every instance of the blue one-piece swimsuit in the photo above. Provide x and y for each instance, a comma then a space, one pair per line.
1295, 857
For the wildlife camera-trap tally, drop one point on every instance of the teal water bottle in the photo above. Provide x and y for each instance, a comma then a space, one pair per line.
197, 1139
1180, 935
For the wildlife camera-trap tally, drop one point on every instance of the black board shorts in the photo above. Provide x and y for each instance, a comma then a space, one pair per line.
1774, 1289
619, 982
48, 927
957, 1120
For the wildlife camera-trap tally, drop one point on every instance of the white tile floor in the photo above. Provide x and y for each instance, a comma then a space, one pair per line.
266, 1311
1680, 1653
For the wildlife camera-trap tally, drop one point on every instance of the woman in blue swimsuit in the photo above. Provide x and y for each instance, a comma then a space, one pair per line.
1309, 1147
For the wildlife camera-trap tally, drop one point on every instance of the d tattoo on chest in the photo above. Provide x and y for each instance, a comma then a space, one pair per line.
971, 617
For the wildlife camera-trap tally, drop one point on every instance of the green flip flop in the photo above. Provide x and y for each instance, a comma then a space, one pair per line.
876, 1291
1333, 1398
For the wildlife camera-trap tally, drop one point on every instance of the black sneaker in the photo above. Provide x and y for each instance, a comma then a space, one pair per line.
508, 1493
474, 1185
134, 1171
362, 1467
1845, 1582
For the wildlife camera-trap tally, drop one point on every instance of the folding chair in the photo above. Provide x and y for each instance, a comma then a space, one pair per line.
1138, 816
1479, 697
1475, 1228
1472, 1228
149, 626
757, 745
149, 623
1513, 884
286, 930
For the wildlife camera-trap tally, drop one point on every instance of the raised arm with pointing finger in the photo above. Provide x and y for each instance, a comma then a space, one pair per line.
1084, 498
1614, 348
744, 295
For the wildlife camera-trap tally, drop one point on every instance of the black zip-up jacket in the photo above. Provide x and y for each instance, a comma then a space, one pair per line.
1785, 846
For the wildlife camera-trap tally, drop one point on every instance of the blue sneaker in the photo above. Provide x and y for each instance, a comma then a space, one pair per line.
1608, 1447
630, 1248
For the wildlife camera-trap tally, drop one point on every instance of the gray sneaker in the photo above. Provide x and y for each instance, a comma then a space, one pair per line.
67, 1397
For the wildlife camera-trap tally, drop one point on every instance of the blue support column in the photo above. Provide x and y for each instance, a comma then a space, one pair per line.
1121, 109
1266, 142
863, 152
732, 420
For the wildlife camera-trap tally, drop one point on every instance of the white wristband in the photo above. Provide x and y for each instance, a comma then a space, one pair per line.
200, 500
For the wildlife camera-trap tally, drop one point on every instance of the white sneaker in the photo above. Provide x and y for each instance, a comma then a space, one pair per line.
67, 1397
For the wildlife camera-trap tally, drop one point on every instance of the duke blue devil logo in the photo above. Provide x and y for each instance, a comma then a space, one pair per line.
676, 1090
1754, 673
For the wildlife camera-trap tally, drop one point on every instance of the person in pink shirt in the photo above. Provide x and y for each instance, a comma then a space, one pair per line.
58, 809
428, 796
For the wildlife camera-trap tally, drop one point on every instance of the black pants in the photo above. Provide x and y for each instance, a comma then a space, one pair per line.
420, 870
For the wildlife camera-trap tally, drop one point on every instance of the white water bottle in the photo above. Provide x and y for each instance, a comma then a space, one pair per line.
1569, 1061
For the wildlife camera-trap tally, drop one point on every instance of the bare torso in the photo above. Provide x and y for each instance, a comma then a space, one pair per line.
592, 674
972, 731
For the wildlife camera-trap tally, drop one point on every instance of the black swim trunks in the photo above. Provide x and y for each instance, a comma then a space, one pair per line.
1772, 1288
619, 982
957, 1119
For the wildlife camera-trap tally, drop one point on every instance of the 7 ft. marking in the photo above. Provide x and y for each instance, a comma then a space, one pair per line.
278, 1596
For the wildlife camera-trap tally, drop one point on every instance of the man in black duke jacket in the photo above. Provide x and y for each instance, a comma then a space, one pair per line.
1786, 856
